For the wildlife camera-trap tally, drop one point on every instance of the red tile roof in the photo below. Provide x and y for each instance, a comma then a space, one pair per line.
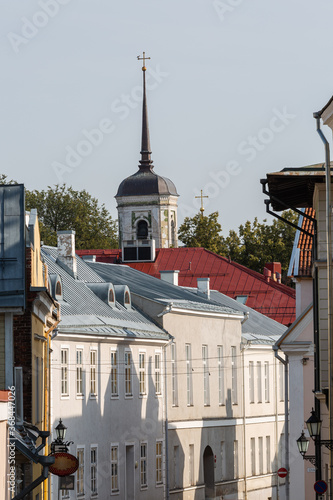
275, 300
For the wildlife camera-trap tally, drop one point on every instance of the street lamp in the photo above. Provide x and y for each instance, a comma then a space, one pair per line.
303, 445
314, 425
59, 445
61, 431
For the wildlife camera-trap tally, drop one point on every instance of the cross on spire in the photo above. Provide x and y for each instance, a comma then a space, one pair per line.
201, 197
143, 58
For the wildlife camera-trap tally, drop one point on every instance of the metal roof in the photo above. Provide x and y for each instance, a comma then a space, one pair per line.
155, 289
83, 311
275, 300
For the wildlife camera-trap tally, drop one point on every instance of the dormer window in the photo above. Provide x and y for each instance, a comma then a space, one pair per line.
58, 290
111, 295
127, 298
142, 230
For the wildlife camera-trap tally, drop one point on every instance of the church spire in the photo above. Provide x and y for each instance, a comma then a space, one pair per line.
146, 162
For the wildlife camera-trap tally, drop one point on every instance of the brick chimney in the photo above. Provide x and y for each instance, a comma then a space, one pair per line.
66, 249
275, 268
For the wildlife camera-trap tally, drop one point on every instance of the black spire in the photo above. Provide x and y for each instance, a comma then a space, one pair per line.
146, 162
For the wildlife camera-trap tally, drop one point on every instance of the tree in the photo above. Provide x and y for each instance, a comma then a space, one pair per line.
62, 208
202, 231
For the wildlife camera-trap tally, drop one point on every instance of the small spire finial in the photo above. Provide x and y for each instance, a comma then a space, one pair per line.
201, 197
143, 58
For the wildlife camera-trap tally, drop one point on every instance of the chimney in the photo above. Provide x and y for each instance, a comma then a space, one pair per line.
267, 274
278, 277
88, 258
66, 249
170, 277
275, 268
203, 289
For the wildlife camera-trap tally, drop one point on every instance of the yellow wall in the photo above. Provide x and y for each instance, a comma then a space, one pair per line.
2, 351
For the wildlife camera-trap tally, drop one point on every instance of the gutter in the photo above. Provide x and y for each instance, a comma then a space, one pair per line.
285, 362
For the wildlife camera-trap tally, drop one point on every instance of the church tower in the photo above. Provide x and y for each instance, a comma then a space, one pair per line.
146, 203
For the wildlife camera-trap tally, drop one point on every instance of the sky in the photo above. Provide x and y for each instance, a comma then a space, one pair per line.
232, 87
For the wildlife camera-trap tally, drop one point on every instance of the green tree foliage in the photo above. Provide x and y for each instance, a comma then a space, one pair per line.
61, 208
202, 231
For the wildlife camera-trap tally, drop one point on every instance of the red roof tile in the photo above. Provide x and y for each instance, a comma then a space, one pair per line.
275, 300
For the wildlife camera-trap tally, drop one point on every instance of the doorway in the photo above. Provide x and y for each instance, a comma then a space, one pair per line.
130, 467
208, 463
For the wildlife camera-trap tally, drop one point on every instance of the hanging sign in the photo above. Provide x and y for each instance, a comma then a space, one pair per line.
64, 465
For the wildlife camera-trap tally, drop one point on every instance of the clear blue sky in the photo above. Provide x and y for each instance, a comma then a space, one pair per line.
233, 85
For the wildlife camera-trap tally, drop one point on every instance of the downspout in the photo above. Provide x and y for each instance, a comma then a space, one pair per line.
244, 418
329, 291
285, 362
165, 399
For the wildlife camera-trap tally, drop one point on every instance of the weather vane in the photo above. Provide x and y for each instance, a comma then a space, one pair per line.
201, 197
143, 58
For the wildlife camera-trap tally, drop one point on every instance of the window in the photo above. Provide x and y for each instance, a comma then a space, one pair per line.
174, 375
236, 465
159, 477
142, 373
143, 465
234, 398
253, 456
281, 381
189, 391
79, 373
114, 373
266, 381
111, 295
58, 288
206, 374
268, 454
158, 373
93, 470
191, 464
259, 382
128, 374
220, 364
64, 371
251, 381
142, 230
261, 455
127, 298
114, 469
93, 359
80, 472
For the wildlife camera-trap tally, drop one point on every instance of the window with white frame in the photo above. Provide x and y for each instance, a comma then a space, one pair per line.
266, 381
189, 390
114, 469
142, 373
191, 464
158, 389
114, 373
251, 381
80, 472
236, 460
261, 454
64, 372
234, 395
93, 370
259, 382
128, 373
253, 456
79, 372
159, 448
268, 454
174, 381
281, 381
206, 374
220, 365
93, 470
143, 465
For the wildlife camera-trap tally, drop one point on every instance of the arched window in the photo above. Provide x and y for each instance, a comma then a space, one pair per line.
58, 288
111, 295
127, 298
142, 230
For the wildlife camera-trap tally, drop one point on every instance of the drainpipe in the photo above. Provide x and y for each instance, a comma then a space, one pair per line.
329, 290
165, 399
285, 362
246, 346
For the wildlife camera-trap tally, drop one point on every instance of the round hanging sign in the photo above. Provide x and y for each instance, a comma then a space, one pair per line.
65, 464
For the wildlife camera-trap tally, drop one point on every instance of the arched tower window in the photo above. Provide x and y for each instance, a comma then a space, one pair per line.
142, 230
